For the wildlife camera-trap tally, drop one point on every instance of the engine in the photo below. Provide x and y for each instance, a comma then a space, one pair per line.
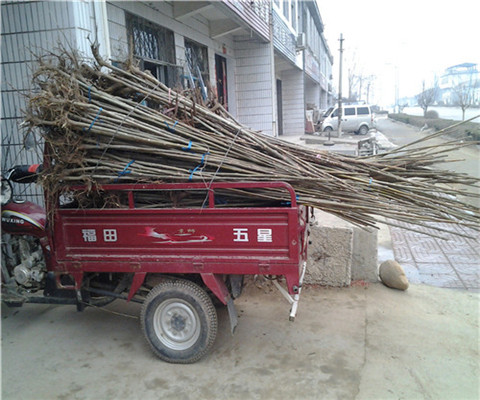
23, 261
31, 270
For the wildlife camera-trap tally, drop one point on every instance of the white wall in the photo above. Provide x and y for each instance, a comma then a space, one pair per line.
161, 13
29, 29
312, 92
324, 104
118, 32
254, 85
293, 102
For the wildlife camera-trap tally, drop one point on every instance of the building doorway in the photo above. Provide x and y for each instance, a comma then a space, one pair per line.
279, 108
221, 80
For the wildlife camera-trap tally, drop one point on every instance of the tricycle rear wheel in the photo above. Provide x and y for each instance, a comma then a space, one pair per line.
179, 321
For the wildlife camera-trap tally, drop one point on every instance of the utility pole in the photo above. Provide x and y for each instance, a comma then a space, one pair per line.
397, 107
339, 129
329, 142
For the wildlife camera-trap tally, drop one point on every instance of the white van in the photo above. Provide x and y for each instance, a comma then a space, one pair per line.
355, 118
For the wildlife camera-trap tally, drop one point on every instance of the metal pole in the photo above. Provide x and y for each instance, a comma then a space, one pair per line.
329, 142
339, 129
397, 107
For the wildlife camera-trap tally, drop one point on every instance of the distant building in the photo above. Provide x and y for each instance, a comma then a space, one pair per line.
466, 75
266, 59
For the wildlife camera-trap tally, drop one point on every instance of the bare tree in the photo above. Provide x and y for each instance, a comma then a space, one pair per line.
351, 83
370, 80
356, 86
354, 77
361, 80
463, 93
427, 97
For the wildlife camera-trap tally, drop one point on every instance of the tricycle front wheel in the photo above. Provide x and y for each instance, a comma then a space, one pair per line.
179, 321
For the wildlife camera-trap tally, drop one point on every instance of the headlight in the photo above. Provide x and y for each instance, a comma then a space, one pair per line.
6, 195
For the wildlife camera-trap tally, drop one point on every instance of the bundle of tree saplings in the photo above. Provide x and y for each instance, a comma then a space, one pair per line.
107, 124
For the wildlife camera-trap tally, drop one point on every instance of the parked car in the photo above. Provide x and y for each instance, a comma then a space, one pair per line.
355, 118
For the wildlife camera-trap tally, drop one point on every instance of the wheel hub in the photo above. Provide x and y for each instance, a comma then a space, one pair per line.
177, 324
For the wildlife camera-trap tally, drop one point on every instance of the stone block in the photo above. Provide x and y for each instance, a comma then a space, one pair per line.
340, 252
330, 256
365, 254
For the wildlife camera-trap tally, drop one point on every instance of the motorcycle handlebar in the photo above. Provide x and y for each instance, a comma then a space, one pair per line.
24, 173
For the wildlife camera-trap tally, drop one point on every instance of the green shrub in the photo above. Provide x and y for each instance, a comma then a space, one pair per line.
468, 130
431, 114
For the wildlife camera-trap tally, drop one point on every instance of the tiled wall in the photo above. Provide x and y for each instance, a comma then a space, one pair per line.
254, 85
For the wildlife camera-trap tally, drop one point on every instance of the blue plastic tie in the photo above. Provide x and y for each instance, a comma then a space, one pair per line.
188, 148
370, 183
94, 120
203, 157
171, 129
192, 171
198, 166
220, 200
125, 172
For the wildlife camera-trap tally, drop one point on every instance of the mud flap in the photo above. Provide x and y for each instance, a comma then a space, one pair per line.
236, 285
216, 284
232, 313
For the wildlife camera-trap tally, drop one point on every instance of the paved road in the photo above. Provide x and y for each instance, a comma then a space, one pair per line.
452, 263
359, 343
402, 134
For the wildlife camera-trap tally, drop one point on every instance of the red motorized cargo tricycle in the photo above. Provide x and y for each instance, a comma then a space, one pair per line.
150, 244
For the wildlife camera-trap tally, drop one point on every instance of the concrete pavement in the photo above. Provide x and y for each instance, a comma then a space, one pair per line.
363, 342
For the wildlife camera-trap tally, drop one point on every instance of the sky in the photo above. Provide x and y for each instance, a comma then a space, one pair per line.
401, 43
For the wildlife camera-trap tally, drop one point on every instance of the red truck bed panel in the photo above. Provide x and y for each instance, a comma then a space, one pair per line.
174, 240
218, 233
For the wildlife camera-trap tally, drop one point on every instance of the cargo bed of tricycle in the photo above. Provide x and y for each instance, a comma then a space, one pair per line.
171, 247
205, 240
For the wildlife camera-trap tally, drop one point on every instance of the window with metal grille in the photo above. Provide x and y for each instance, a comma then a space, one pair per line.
197, 65
154, 46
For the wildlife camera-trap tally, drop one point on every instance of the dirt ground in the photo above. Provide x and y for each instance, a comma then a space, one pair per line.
352, 343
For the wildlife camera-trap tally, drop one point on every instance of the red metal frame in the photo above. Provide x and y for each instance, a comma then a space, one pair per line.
208, 241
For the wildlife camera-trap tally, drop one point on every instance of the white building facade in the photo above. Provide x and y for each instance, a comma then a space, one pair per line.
462, 79
266, 60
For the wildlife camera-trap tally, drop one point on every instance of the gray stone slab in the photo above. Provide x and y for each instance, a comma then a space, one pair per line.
464, 268
471, 281
329, 256
365, 255
411, 271
452, 263
442, 280
463, 258
436, 268
403, 253
459, 246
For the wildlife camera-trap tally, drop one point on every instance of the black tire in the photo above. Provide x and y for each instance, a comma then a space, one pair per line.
179, 321
363, 130
328, 129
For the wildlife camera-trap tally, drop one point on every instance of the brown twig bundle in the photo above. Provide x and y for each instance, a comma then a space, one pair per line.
107, 124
